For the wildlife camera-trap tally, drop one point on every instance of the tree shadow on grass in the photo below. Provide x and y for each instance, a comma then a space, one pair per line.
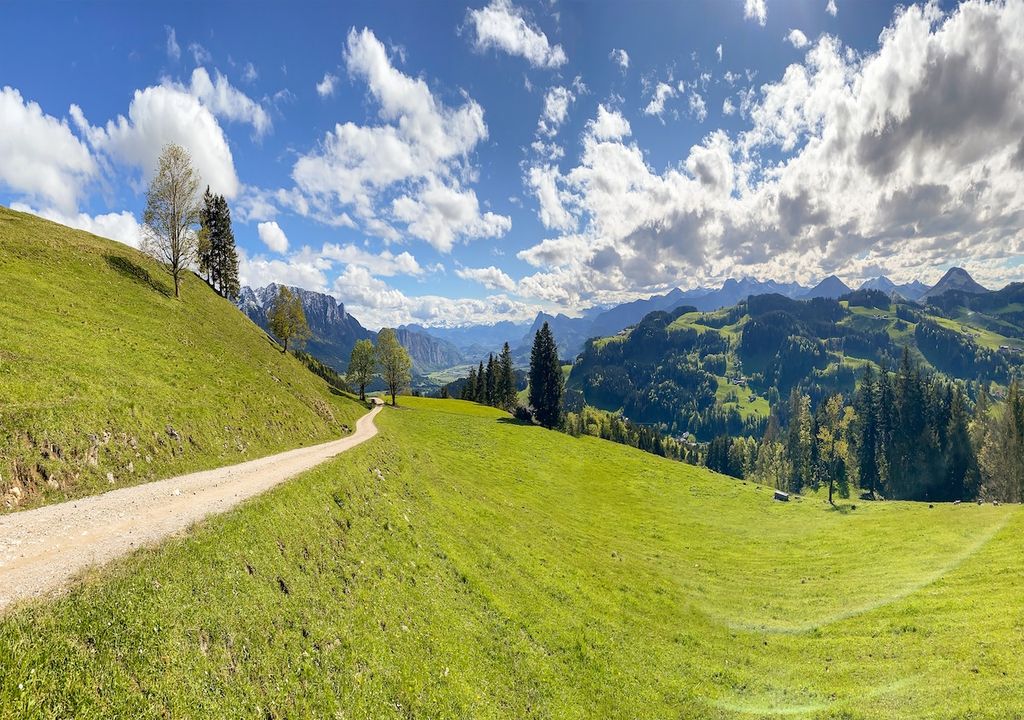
513, 421
136, 272
843, 509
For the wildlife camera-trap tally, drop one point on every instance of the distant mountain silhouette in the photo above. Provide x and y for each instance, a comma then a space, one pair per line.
956, 278
830, 287
336, 331
910, 291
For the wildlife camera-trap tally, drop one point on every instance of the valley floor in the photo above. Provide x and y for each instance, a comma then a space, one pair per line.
462, 565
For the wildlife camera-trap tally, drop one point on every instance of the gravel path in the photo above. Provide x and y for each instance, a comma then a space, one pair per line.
43, 550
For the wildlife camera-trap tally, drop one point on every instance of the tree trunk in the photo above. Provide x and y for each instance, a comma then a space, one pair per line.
362, 393
394, 392
831, 483
177, 293
286, 346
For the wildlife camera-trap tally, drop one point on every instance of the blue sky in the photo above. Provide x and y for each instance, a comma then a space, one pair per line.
447, 163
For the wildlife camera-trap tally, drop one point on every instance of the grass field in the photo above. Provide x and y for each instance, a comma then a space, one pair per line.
758, 407
103, 371
505, 571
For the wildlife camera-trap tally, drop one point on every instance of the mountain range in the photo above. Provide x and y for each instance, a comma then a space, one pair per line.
335, 331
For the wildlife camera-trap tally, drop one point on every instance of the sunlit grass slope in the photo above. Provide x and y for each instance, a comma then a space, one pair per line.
494, 570
103, 371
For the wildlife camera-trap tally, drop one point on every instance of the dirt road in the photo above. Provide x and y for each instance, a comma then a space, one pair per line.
42, 550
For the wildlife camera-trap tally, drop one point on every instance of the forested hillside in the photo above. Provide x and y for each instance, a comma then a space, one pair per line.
868, 391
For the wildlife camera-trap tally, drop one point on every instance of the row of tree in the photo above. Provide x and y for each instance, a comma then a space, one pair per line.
388, 360
493, 384
902, 435
215, 246
183, 232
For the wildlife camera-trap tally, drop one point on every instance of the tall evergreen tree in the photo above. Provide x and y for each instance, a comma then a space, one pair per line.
866, 431
884, 432
961, 480
491, 385
480, 391
546, 382
227, 260
469, 389
217, 255
506, 379
207, 235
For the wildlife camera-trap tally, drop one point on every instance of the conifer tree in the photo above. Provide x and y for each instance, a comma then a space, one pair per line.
217, 255
469, 389
961, 480
546, 382
227, 260
866, 432
491, 385
506, 380
480, 391
207, 233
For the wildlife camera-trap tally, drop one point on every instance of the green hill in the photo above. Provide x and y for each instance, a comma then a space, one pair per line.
494, 570
719, 372
103, 371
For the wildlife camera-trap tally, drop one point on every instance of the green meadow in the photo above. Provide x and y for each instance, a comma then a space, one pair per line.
496, 570
106, 380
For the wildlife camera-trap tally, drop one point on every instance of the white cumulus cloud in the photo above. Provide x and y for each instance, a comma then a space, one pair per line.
503, 26
796, 38
225, 100
490, 277
755, 10
40, 157
325, 88
405, 169
273, 236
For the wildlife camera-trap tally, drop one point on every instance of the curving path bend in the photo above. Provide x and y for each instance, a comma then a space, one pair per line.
42, 550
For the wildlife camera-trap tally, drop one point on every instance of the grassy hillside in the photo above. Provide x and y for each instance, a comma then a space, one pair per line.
719, 372
495, 570
103, 371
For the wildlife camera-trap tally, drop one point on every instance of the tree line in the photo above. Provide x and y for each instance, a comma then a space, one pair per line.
901, 435
182, 231
388, 360
493, 384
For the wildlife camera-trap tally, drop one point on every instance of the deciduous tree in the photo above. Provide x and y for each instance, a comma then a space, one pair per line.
394, 363
287, 319
362, 366
172, 213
